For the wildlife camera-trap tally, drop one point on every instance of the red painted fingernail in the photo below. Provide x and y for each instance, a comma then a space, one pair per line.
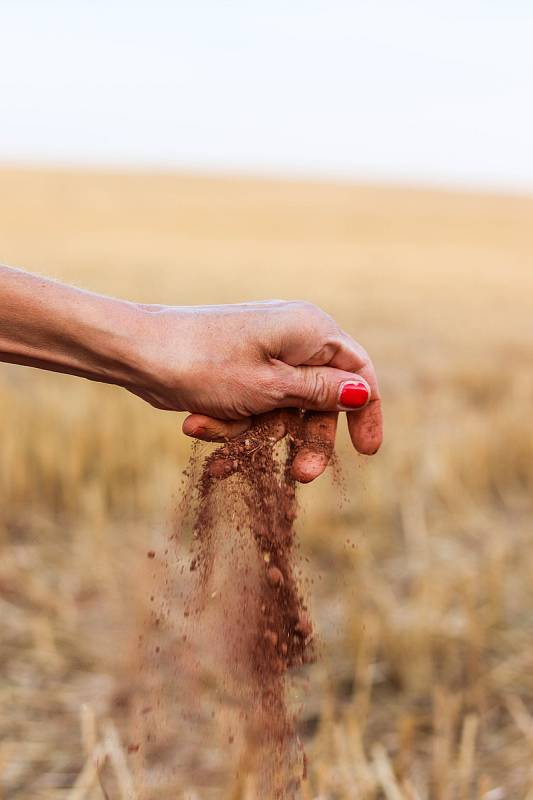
354, 394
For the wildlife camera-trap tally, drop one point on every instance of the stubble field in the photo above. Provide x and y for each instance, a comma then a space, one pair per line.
424, 685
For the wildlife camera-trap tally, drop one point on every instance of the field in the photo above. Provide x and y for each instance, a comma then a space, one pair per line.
424, 685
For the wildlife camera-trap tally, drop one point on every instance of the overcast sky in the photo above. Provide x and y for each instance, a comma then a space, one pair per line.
420, 91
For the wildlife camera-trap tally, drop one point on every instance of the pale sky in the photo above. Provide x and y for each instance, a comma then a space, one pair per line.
422, 91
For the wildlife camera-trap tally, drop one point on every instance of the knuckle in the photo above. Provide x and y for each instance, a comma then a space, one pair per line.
317, 389
306, 308
309, 307
365, 358
318, 320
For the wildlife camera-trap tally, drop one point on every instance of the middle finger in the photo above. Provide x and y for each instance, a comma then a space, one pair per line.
317, 443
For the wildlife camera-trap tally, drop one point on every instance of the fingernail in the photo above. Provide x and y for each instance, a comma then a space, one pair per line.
354, 394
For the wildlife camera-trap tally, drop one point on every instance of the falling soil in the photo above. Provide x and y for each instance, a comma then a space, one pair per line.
243, 631
274, 631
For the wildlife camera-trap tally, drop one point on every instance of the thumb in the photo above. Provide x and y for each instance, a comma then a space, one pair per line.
326, 389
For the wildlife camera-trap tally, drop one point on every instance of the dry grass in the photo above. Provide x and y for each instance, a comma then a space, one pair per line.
425, 687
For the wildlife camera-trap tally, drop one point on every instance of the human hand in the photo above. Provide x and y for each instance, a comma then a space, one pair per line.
227, 364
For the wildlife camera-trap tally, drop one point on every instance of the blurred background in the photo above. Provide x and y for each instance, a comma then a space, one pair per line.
375, 159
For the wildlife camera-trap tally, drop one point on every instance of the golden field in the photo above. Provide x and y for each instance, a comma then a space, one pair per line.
424, 685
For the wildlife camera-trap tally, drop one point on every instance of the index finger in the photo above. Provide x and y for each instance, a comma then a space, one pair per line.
365, 425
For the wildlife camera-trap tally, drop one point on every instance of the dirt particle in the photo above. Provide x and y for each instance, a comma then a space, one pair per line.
271, 637
275, 576
303, 627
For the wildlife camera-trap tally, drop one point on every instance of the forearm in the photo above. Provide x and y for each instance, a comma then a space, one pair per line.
48, 325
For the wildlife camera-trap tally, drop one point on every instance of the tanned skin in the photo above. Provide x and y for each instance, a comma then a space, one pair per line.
223, 364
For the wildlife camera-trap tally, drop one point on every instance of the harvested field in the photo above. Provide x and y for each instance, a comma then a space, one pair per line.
422, 591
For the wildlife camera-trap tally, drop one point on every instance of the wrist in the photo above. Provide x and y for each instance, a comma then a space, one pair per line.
121, 343
153, 350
